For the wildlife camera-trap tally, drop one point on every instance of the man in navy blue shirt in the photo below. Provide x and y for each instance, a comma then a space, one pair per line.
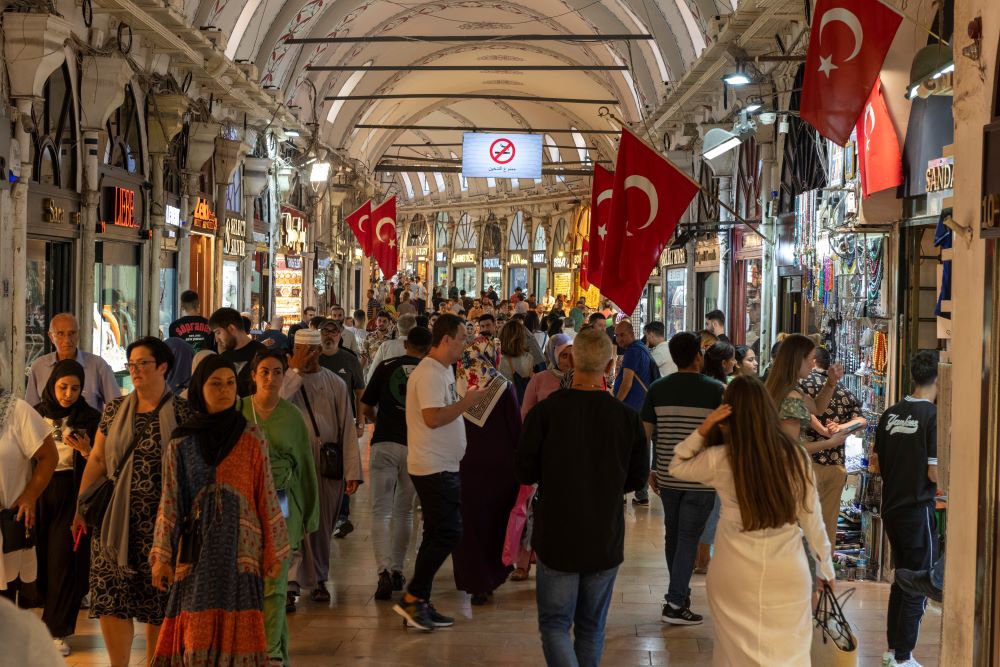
636, 372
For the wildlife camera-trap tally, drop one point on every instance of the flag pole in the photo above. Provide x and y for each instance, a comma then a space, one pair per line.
604, 111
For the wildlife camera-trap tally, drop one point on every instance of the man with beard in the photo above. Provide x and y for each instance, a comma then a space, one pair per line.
383, 323
350, 339
235, 345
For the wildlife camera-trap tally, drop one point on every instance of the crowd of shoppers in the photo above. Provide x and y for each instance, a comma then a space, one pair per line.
206, 517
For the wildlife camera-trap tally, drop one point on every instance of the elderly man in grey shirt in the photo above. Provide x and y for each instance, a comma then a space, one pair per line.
99, 386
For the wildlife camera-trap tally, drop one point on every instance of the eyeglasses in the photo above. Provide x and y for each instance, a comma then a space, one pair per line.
139, 365
64, 334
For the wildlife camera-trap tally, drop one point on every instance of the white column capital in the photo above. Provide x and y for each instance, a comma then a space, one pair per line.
102, 88
166, 120
228, 155
34, 48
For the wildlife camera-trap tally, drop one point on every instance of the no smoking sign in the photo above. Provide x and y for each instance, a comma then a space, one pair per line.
502, 150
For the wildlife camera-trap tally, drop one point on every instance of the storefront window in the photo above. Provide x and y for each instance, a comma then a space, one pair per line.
116, 297
38, 293
230, 284
168, 298
541, 281
465, 279
493, 279
708, 295
519, 278
752, 302
440, 275
676, 301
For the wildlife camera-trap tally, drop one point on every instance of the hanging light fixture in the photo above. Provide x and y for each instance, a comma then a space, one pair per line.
737, 78
718, 142
929, 72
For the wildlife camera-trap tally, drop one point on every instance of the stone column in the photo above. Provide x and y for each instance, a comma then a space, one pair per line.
255, 180
102, 90
201, 145
229, 154
164, 124
769, 268
33, 50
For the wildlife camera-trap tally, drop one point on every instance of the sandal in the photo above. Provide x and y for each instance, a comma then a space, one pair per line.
519, 574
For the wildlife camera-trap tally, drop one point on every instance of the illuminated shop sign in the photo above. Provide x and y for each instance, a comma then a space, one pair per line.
517, 260
203, 217
538, 258
234, 237
119, 205
491, 263
941, 175
465, 258
441, 257
171, 216
293, 232
560, 262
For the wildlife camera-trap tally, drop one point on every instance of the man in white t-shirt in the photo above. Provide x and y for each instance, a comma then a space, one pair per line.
436, 445
657, 344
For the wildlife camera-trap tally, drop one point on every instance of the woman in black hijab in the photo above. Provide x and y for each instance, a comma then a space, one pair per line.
219, 529
64, 558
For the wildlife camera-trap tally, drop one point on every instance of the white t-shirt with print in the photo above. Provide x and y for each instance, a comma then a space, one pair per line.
432, 450
23, 435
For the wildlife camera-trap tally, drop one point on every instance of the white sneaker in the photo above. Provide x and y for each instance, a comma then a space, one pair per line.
888, 659
61, 646
908, 663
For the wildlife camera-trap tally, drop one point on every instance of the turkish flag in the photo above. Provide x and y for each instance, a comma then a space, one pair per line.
356, 221
880, 162
847, 46
648, 199
600, 208
384, 246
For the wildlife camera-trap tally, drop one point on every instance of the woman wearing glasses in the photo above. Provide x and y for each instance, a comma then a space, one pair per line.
132, 433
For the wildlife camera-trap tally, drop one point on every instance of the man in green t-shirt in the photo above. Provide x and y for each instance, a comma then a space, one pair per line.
675, 406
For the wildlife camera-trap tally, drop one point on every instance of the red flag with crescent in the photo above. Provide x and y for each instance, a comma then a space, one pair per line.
357, 221
848, 43
649, 197
384, 246
600, 207
880, 162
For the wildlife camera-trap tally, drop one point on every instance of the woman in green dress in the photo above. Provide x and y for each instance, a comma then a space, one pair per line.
294, 473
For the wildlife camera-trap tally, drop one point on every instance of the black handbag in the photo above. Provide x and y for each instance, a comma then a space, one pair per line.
331, 454
94, 500
16, 534
189, 545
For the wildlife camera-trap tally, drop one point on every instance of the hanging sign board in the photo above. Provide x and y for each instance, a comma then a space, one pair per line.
538, 259
560, 262
203, 218
119, 207
171, 216
501, 155
234, 237
491, 263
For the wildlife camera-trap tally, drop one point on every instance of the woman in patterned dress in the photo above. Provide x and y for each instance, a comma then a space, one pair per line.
120, 587
219, 531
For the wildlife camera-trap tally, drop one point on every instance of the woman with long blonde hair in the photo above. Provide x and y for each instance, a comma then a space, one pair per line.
759, 585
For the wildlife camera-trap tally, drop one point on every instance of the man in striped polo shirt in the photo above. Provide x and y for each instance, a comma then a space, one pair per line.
675, 406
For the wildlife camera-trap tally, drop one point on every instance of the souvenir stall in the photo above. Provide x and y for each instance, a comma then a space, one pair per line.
846, 300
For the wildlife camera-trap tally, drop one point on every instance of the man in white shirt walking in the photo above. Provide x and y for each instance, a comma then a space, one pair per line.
436, 442
99, 385
657, 344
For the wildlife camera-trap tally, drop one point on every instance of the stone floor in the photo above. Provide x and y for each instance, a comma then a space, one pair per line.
356, 630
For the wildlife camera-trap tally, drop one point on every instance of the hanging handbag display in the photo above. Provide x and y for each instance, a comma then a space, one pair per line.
331, 455
94, 500
16, 534
833, 641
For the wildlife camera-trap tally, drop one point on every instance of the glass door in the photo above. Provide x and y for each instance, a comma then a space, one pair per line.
49, 292
117, 294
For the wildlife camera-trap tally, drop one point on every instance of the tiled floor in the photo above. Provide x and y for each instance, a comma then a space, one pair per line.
357, 630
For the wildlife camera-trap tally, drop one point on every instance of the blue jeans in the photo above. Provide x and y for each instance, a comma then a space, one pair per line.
577, 600
684, 516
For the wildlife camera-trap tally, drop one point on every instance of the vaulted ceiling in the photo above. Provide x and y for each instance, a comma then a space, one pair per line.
258, 31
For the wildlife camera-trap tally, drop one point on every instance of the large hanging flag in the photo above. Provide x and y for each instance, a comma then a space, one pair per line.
385, 250
880, 162
357, 221
847, 46
649, 197
600, 208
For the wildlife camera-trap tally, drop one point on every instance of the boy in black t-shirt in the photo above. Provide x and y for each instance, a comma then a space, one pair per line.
384, 402
906, 447
192, 328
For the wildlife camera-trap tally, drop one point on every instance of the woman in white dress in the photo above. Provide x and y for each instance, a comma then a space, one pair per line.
759, 586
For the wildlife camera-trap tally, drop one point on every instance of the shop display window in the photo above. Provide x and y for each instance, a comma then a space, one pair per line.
49, 290
440, 275
465, 279
676, 301
519, 278
708, 295
230, 284
168, 298
117, 280
541, 281
494, 279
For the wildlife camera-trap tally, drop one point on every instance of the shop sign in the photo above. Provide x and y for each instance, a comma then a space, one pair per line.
171, 216
465, 258
51, 212
203, 217
560, 262
293, 262
261, 241
234, 237
120, 203
491, 263
538, 259
707, 256
941, 176
441, 257
517, 259
675, 256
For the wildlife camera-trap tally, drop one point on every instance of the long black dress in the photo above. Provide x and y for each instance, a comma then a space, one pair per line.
489, 490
